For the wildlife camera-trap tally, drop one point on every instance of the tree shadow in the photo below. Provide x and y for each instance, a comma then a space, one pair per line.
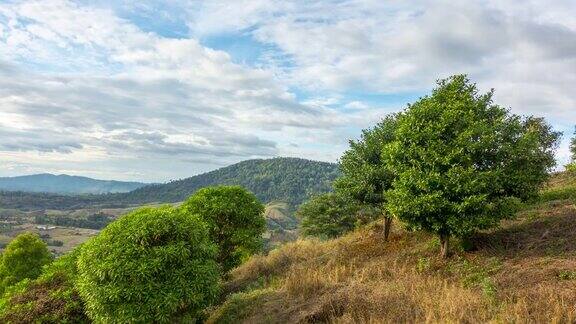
546, 232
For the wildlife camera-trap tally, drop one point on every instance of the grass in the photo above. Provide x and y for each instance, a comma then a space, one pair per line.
523, 271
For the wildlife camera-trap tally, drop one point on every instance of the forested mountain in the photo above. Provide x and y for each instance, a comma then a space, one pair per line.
287, 179
65, 184
291, 180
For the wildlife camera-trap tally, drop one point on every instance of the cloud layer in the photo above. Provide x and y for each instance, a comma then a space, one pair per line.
133, 91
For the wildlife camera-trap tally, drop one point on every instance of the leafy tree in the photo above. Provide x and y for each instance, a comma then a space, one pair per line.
328, 215
23, 258
152, 265
463, 163
235, 221
365, 177
572, 166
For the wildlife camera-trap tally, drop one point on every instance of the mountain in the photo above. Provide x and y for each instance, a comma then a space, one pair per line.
65, 184
290, 180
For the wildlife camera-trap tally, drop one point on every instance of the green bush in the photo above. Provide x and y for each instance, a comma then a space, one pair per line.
328, 215
235, 219
152, 265
52, 298
23, 258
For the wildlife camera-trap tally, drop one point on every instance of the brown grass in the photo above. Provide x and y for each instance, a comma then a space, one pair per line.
523, 272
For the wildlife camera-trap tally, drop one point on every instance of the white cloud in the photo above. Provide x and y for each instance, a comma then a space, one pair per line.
79, 80
135, 94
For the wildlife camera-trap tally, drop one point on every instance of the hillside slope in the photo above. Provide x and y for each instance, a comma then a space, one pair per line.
524, 271
65, 184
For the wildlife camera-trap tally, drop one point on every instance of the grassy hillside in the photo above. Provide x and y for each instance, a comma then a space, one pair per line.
290, 180
524, 271
65, 184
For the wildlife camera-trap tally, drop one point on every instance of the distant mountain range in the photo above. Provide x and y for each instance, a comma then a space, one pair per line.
65, 184
290, 180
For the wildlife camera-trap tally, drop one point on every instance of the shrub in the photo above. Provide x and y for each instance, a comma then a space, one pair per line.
328, 215
23, 258
152, 265
52, 298
235, 220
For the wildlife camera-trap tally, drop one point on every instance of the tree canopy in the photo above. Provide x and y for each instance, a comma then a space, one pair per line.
23, 258
463, 162
365, 177
235, 219
152, 265
328, 215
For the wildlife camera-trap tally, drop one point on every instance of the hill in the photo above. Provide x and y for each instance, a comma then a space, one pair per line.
65, 184
291, 180
524, 271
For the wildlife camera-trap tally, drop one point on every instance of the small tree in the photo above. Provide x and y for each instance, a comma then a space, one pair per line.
328, 215
464, 162
365, 176
235, 221
23, 258
154, 265
572, 165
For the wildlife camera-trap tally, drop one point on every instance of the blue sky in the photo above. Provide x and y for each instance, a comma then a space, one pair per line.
160, 90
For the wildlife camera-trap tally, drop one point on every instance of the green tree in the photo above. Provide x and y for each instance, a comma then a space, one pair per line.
235, 220
463, 163
154, 265
365, 175
23, 258
572, 165
328, 215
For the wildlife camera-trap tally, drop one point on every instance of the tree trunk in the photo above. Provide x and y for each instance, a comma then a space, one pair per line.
444, 239
387, 226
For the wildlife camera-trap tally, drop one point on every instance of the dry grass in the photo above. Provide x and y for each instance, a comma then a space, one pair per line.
523, 272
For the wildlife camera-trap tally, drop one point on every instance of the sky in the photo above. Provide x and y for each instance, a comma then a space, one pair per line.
161, 90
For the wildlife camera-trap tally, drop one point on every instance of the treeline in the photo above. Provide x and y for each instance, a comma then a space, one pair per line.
93, 221
30, 201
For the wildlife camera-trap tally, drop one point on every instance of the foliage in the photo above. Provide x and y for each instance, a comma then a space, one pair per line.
235, 220
23, 259
463, 162
152, 265
365, 177
52, 298
572, 165
329, 215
